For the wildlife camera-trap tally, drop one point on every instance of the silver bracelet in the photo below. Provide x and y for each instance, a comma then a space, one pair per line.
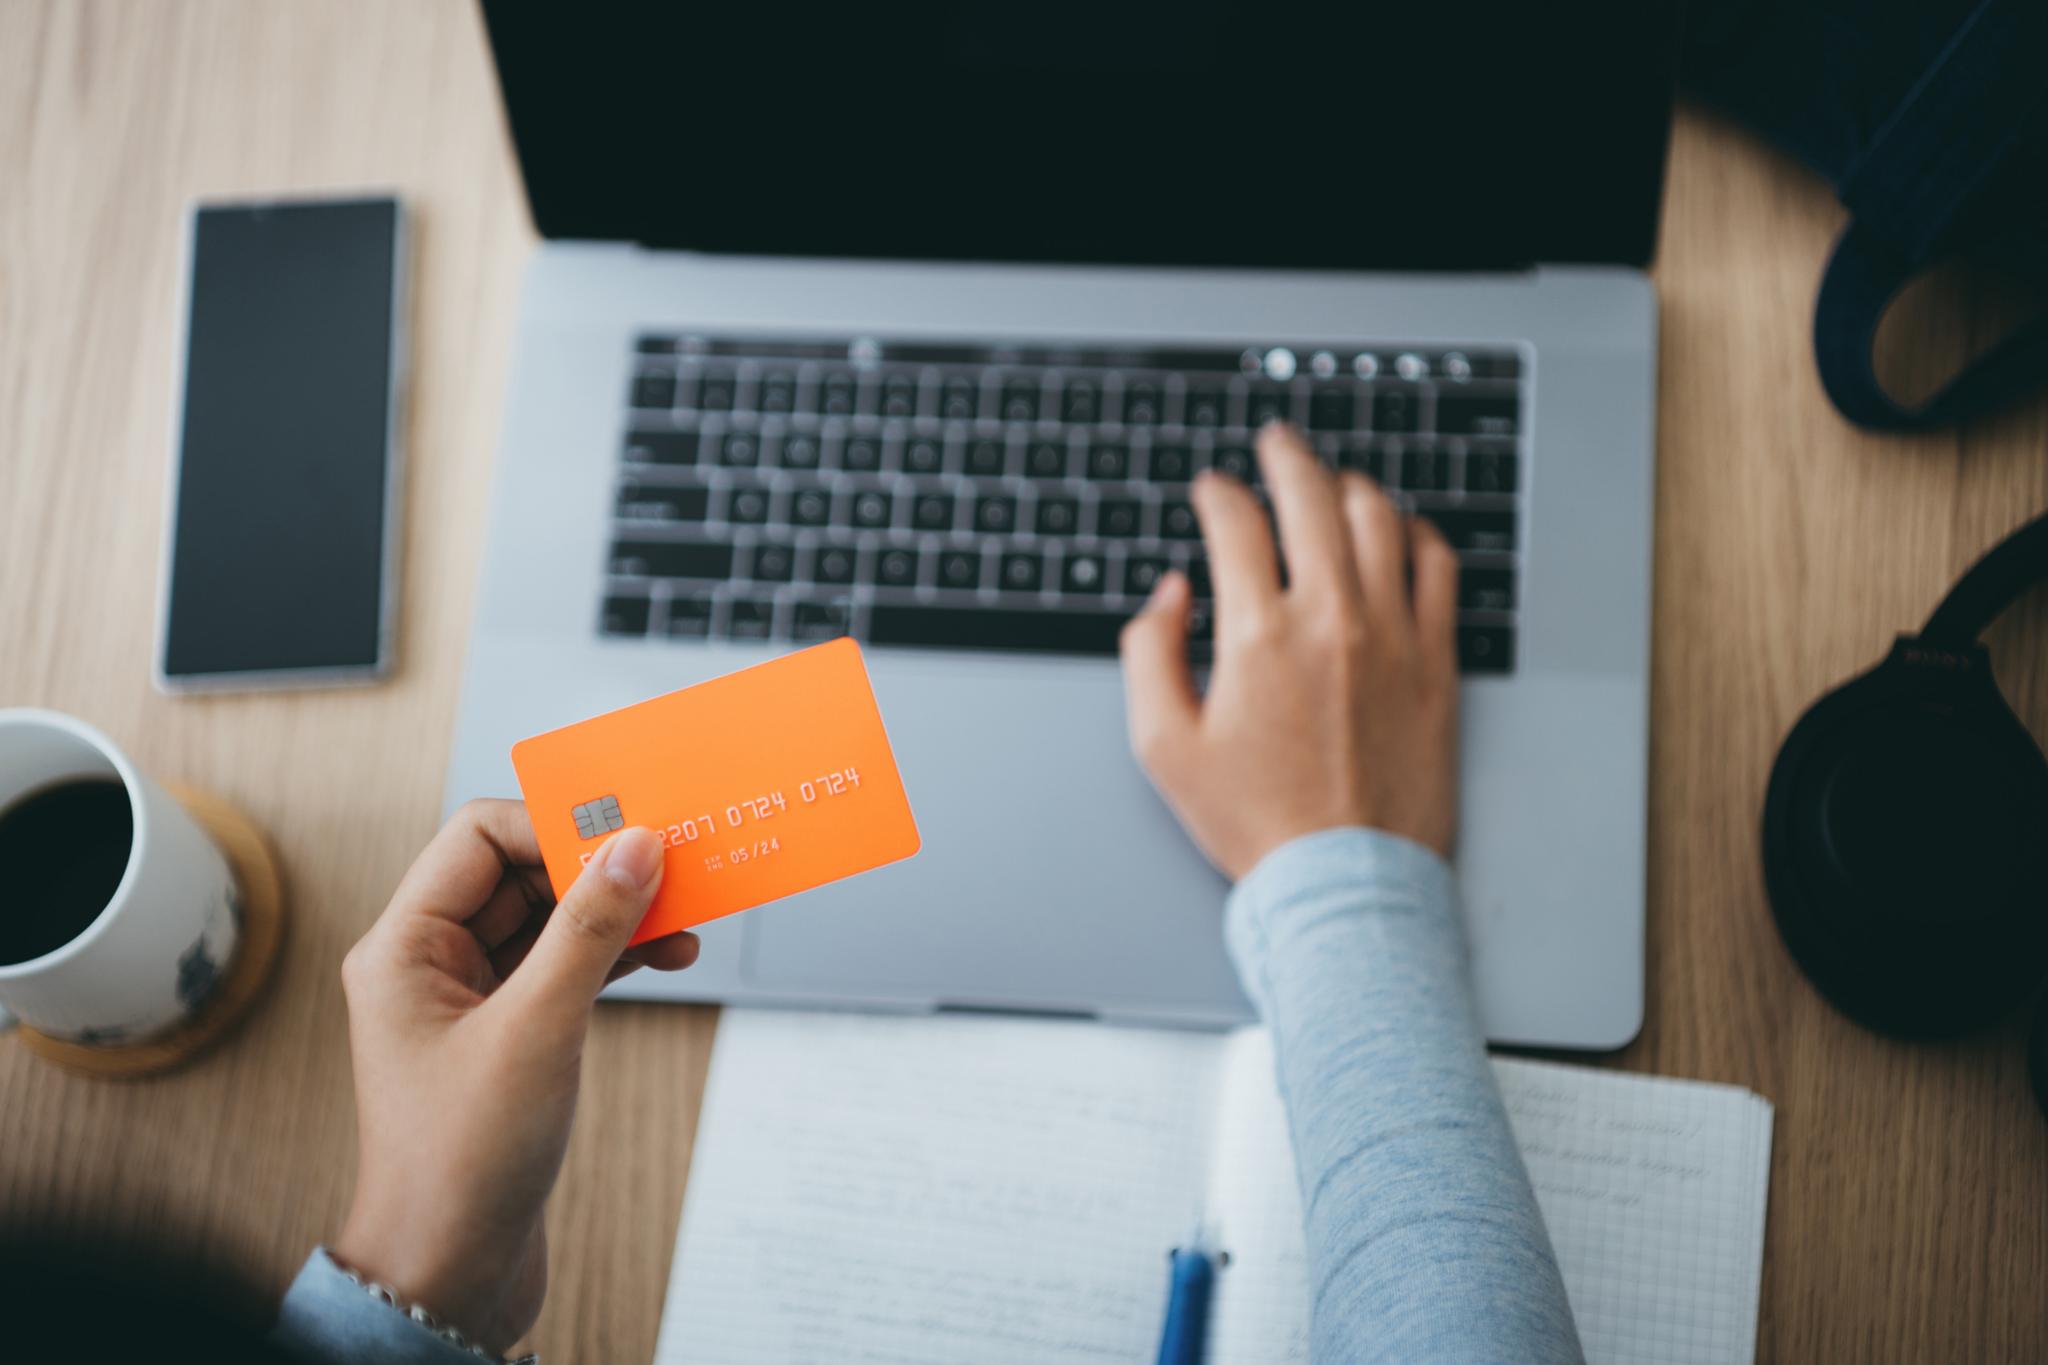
385, 1295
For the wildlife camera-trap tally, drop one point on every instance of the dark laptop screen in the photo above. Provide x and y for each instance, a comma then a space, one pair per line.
1370, 135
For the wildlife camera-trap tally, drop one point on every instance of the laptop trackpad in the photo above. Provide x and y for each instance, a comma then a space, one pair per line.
1051, 876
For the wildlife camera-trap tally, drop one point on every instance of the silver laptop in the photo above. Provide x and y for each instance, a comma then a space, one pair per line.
915, 327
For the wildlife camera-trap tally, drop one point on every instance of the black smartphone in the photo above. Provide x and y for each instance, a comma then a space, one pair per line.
280, 555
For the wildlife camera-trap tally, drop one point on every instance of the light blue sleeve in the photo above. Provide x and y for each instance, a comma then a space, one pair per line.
328, 1319
1424, 1239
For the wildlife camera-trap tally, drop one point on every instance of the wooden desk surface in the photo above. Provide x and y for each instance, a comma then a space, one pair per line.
1909, 1189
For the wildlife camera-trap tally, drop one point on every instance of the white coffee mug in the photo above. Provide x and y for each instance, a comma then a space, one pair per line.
164, 940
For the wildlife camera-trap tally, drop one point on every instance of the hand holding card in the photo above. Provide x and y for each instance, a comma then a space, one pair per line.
765, 782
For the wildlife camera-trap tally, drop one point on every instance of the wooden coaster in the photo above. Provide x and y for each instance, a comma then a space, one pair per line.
255, 954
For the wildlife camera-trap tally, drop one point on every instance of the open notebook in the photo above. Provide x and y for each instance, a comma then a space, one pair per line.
936, 1190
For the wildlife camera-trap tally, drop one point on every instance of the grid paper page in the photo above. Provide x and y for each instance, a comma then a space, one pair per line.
1653, 1192
934, 1190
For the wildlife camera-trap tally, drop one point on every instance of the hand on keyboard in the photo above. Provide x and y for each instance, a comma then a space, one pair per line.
935, 495
1333, 699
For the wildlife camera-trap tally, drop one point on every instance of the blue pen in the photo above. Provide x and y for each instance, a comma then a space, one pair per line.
1192, 1276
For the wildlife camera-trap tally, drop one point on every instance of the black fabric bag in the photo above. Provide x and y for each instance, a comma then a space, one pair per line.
1930, 118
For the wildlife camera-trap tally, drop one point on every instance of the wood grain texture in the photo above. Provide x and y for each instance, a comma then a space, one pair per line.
1909, 1198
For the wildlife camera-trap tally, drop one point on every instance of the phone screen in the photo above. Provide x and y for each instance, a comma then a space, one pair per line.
281, 512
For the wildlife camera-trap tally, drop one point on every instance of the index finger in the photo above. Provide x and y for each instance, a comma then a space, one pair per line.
1243, 564
463, 864
1312, 535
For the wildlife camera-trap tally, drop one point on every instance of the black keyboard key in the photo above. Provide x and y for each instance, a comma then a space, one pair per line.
835, 564
624, 616
1056, 632
747, 506
1020, 400
959, 398
1478, 414
1387, 456
1205, 405
1491, 471
1200, 585
1081, 403
1045, 460
985, 459
960, 569
689, 615
1177, 521
924, 455
1119, 517
1361, 458
995, 513
778, 392
1058, 516
716, 390
1486, 649
1263, 404
1084, 573
1425, 469
661, 447
749, 618
895, 567
774, 562
897, 396
1470, 530
1020, 571
657, 391
821, 620
873, 509
1142, 574
1236, 461
1109, 462
740, 450
661, 502
1172, 464
861, 455
800, 451
838, 393
810, 507
1396, 409
671, 559
932, 512
1331, 410
1486, 589
652, 344
1144, 404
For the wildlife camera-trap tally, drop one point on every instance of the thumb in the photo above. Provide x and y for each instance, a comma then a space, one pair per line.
588, 930
1159, 691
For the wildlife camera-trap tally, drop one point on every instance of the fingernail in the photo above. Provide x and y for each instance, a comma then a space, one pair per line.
631, 858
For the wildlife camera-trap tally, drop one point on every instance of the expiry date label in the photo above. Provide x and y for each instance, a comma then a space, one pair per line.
760, 784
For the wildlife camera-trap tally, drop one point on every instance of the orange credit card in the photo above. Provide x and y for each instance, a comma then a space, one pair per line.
763, 783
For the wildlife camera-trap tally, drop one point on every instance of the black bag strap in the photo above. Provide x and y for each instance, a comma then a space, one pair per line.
1910, 191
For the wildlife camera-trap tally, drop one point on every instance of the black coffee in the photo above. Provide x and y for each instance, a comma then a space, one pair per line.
62, 852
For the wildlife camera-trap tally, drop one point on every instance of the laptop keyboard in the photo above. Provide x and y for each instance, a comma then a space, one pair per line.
1024, 498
